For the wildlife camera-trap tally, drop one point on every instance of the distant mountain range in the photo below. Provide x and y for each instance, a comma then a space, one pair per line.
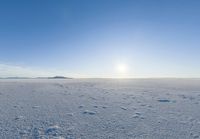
58, 77
55, 77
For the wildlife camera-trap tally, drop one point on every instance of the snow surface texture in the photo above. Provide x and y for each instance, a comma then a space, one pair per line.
100, 109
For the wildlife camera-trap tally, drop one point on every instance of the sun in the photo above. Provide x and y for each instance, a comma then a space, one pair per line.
121, 68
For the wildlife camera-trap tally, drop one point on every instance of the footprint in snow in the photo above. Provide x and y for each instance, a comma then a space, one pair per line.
81, 106
104, 107
124, 98
123, 108
106, 92
92, 98
89, 112
191, 98
143, 105
138, 115
54, 132
24, 134
135, 116
36, 107
51, 129
59, 85
37, 133
70, 114
19, 117
195, 136
149, 106
182, 96
81, 96
163, 100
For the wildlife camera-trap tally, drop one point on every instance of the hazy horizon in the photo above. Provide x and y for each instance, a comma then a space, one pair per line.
100, 39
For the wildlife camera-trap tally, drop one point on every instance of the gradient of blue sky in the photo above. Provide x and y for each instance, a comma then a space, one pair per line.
87, 38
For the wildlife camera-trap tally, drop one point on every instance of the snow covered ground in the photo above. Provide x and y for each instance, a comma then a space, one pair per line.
100, 109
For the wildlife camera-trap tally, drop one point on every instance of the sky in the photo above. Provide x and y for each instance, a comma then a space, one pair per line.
100, 38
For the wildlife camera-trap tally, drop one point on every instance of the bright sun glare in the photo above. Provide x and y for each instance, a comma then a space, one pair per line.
121, 68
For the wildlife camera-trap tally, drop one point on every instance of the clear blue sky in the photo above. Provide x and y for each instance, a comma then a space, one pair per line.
88, 38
